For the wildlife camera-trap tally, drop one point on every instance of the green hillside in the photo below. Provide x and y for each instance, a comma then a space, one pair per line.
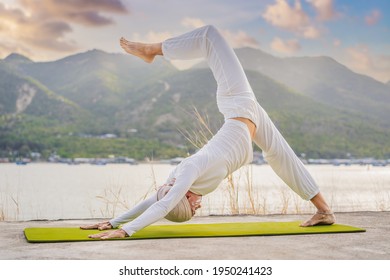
324, 80
66, 106
96, 80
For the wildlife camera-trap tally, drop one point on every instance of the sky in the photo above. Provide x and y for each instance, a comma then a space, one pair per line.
356, 33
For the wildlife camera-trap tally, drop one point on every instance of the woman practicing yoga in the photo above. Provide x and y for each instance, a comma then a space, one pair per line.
229, 149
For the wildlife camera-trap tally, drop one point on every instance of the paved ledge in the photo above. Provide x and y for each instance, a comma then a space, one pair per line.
371, 245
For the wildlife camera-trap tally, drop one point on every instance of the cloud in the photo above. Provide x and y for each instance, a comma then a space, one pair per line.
291, 18
285, 46
7, 47
24, 31
361, 60
284, 16
192, 22
86, 12
324, 9
152, 37
311, 32
336, 42
239, 39
373, 17
45, 24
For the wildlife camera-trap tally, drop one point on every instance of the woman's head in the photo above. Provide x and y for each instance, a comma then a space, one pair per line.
182, 211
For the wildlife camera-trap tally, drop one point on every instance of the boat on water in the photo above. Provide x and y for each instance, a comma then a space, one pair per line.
23, 161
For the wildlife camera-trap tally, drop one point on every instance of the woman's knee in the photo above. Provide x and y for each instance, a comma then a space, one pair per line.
211, 27
211, 30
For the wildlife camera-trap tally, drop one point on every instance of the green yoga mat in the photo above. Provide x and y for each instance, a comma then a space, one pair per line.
38, 235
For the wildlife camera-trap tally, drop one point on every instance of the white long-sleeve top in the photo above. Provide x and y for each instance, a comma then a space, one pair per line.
200, 173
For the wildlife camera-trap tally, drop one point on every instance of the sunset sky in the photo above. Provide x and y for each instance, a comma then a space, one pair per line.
354, 32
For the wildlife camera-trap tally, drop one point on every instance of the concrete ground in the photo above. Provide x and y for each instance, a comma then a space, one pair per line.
374, 244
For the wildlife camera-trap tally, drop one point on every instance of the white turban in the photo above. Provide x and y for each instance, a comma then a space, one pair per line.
182, 211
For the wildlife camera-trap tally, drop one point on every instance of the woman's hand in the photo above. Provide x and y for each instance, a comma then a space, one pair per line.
99, 226
119, 233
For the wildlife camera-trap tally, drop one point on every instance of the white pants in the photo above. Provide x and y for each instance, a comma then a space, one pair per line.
235, 98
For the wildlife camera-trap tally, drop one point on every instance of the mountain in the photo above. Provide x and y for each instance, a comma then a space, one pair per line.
30, 112
22, 94
15, 59
96, 80
64, 105
96, 85
311, 127
325, 80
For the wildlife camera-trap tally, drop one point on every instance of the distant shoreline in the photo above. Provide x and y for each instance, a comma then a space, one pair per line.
174, 161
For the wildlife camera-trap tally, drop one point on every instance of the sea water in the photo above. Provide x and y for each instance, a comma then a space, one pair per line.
60, 191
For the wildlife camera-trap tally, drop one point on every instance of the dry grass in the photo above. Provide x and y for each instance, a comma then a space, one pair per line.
3, 208
253, 197
382, 197
285, 201
153, 186
201, 133
233, 191
7, 203
382, 200
2, 213
112, 199
16, 203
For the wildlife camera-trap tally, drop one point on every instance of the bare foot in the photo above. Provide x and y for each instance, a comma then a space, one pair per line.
99, 226
146, 52
320, 218
119, 233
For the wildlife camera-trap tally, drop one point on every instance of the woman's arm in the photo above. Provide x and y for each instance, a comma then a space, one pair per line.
134, 212
158, 209
125, 217
162, 207
130, 214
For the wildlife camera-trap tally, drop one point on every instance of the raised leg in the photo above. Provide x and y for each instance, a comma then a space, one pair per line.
206, 42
